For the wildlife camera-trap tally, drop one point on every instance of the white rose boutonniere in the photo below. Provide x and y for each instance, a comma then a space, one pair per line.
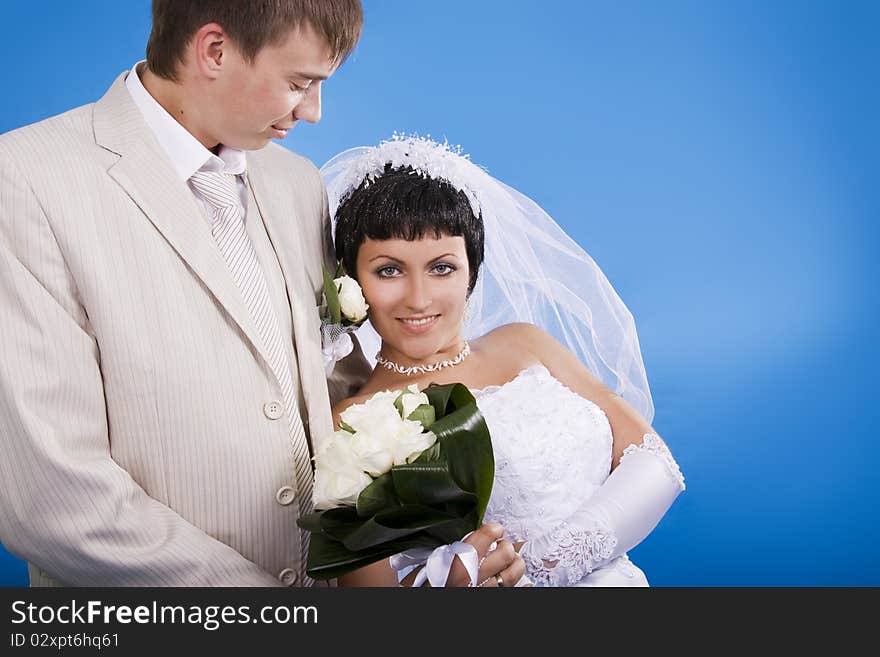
352, 305
345, 309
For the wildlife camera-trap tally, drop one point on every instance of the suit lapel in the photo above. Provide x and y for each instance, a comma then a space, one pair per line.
144, 173
280, 220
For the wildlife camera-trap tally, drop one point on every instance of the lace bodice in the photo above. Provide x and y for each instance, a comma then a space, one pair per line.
553, 450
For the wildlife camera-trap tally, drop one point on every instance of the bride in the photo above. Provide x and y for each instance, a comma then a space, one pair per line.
469, 281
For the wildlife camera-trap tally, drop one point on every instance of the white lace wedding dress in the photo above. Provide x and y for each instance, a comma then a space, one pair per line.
553, 449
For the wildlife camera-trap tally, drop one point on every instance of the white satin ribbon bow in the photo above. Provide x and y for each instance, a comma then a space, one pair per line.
335, 350
438, 564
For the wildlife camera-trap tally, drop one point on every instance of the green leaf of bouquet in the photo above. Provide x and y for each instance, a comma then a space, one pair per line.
423, 413
427, 483
398, 403
433, 453
328, 558
310, 522
412, 515
439, 397
454, 530
461, 396
467, 446
391, 525
448, 397
377, 497
338, 523
345, 427
332, 296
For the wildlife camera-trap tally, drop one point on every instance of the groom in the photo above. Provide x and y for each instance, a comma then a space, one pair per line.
161, 379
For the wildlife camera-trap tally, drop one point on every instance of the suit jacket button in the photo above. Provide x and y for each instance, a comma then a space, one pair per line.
287, 576
273, 410
285, 495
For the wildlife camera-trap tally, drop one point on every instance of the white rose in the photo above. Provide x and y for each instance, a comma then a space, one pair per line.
333, 489
363, 416
412, 400
373, 450
382, 438
335, 452
338, 477
411, 442
376, 422
351, 299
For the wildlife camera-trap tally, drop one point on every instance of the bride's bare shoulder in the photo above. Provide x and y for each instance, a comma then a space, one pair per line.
529, 344
518, 343
519, 335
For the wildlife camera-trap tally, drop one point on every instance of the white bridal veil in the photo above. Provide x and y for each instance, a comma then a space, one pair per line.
533, 271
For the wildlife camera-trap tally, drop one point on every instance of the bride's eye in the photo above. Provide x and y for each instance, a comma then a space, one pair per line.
443, 269
388, 271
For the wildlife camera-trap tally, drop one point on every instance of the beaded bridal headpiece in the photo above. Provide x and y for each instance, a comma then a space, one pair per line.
533, 271
427, 158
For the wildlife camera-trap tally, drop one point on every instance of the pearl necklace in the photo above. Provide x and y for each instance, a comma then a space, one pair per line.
423, 369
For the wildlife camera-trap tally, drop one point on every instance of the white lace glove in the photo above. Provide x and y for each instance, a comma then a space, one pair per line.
618, 516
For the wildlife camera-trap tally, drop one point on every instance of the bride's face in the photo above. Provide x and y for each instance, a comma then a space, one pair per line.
417, 291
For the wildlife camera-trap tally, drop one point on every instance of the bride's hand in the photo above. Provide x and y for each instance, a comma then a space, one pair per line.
497, 558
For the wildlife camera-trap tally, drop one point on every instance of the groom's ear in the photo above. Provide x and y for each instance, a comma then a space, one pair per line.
208, 49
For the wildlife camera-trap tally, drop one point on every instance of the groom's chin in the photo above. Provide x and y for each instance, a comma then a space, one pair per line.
250, 142
256, 144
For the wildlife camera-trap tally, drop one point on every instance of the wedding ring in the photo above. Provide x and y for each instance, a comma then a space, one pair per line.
499, 581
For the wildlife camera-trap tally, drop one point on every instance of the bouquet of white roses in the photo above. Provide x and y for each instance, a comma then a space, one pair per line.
407, 469
345, 309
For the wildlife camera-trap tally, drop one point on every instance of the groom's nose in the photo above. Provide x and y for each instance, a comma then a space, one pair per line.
309, 108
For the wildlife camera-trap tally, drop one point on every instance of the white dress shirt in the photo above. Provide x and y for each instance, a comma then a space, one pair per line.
186, 153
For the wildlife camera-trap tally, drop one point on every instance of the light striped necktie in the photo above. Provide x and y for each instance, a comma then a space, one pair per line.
227, 226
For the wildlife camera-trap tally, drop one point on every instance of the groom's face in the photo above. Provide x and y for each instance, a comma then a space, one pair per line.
264, 99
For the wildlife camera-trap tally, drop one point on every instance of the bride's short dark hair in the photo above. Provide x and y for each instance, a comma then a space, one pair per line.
403, 204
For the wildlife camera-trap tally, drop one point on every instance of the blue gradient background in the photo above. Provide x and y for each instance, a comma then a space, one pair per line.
718, 160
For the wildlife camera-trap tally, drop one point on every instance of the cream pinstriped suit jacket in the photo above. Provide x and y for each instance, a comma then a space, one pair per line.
135, 447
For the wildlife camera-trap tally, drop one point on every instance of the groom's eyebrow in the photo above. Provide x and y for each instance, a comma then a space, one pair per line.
309, 76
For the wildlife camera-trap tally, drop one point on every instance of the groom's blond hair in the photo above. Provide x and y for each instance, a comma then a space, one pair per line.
252, 24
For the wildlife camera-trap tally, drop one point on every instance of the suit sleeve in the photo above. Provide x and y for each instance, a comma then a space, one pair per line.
67, 507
